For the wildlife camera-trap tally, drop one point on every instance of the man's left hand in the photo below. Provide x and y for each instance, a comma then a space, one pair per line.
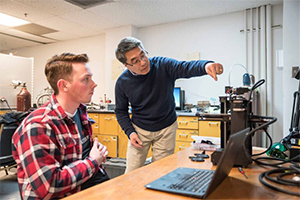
214, 69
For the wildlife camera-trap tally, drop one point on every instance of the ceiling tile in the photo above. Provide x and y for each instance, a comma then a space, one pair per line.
54, 7
94, 21
66, 26
34, 29
27, 36
61, 36
16, 9
74, 22
8, 43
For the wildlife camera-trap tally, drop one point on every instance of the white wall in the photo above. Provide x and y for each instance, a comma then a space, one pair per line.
93, 46
278, 88
23, 70
216, 38
291, 49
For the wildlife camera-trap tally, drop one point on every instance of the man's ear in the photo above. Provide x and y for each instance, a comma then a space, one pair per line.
62, 85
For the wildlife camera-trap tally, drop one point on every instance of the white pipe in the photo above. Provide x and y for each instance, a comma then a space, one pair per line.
269, 81
263, 95
246, 36
232, 68
250, 61
257, 57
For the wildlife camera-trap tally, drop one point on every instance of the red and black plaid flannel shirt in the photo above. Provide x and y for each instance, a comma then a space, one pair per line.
48, 151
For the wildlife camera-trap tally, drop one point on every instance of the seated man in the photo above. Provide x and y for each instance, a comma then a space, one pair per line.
53, 146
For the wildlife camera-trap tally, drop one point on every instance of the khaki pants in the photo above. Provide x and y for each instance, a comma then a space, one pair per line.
163, 144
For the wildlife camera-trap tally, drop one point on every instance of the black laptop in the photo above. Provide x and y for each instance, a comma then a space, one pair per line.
199, 182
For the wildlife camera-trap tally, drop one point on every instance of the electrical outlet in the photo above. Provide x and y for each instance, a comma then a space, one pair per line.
295, 70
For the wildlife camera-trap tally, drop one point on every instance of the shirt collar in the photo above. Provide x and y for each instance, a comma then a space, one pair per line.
60, 111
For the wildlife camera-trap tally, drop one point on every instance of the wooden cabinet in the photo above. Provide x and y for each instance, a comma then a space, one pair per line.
185, 135
122, 146
210, 128
111, 142
187, 122
187, 127
109, 133
95, 127
3, 111
108, 124
180, 145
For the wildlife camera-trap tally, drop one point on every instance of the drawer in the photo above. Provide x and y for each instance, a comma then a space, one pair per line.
181, 145
123, 144
95, 128
210, 128
108, 124
185, 134
187, 122
94, 116
111, 142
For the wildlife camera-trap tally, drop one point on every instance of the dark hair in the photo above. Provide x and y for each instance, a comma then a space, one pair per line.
60, 67
126, 45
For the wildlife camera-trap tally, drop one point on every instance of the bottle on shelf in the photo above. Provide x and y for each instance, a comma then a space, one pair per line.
23, 99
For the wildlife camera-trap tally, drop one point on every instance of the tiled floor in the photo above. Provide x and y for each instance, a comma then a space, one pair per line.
9, 189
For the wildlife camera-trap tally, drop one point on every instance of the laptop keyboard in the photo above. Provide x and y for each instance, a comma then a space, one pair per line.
196, 182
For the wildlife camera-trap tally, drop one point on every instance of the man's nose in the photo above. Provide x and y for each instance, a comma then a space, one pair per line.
143, 61
94, 84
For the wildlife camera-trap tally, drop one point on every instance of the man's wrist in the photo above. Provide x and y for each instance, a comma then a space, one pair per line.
132, 133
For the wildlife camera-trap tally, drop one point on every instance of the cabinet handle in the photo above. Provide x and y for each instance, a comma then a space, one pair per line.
213, 123
107, 118
183, 122
183, 134
106, 140
182, 147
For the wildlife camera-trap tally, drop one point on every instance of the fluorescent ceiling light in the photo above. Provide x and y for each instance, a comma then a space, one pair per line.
10, 21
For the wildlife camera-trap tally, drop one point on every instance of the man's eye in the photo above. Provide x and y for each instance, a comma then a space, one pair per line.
134, 62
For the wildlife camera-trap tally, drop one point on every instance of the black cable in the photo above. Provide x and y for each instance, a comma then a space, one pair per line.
261, 179
283, 171
286, 181
271, 142
8, 105
256, 85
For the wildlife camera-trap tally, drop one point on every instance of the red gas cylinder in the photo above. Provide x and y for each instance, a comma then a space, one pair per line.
23, 99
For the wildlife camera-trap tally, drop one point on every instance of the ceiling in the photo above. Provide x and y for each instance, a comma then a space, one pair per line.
59, 20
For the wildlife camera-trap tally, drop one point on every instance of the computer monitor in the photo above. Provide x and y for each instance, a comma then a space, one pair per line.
179, 98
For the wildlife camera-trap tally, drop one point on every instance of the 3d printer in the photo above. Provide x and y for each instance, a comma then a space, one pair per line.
236, 114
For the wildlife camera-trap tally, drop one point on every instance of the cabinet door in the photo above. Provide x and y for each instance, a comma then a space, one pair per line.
210, 128
185, 134
181, 145
108, 124
122, 146
3, 112
111, 142
95, 127
187, 122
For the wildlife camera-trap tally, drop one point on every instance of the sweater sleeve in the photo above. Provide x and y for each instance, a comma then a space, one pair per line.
184, 69
121, 110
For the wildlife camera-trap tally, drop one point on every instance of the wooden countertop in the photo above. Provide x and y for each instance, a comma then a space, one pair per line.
131, 185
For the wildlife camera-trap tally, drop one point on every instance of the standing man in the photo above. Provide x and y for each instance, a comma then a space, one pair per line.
53, 147
147, 85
